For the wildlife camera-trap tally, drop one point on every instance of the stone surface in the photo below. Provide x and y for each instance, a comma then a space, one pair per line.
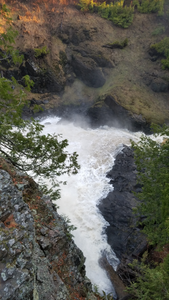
87, 70
38, 259
108, 111
117, 208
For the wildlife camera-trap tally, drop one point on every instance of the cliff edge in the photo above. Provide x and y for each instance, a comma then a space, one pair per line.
38, 258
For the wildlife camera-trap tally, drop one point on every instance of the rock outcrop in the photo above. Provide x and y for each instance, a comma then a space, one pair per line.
108, 111
123, 234
38, 258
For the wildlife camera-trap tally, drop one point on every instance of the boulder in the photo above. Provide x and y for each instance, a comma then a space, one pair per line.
108, 111
98, 56
87, 70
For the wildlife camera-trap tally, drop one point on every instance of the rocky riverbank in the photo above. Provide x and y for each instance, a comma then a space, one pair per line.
38, 258
123, 234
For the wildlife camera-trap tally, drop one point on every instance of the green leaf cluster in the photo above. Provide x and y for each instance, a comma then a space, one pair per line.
152, 160
150, 6
119, 14
41, 52
163, 48
22, 142
118, 44
152, 283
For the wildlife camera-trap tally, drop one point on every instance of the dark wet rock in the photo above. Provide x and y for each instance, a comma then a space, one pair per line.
97, 56
117, 208
76, 35
32, 68
157, 81
109, 112
38, 259
87, 70
115, 279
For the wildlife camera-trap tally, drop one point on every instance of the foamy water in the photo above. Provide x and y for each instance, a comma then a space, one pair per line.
79, 198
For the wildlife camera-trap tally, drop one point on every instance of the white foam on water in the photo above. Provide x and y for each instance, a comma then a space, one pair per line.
79, 198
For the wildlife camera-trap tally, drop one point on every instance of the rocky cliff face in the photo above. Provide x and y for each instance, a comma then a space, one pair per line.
38, 258
81, 73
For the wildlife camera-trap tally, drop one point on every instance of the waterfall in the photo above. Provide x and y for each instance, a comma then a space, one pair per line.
97, 149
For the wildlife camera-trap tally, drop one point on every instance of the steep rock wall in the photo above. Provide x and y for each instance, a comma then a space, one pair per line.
38, 258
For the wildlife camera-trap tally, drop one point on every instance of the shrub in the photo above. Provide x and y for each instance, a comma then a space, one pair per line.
152, 283
118, 44
86, 5
153, 174
118, 13
41, 52
148, 6
121, 15
162, 48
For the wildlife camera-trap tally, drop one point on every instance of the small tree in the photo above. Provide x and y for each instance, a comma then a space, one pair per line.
152, 160
22, 142
151, 283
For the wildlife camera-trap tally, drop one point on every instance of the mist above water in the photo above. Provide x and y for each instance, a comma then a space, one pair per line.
79, 198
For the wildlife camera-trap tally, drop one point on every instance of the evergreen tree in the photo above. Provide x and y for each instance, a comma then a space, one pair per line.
152, 160
22, 142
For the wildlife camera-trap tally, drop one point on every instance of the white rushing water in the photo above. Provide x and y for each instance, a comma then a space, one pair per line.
79, 198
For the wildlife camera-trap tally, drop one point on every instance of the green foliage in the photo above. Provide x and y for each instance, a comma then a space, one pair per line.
7, 38
121, 15
104, 296
153, 173
107, 296
163, 48
69, 227
22, 142
151, 6
41, 52
118, 44
86, 5
159, 30
152, 283
63, 58
118, 13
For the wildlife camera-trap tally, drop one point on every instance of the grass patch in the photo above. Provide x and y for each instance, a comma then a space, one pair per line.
162, 48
